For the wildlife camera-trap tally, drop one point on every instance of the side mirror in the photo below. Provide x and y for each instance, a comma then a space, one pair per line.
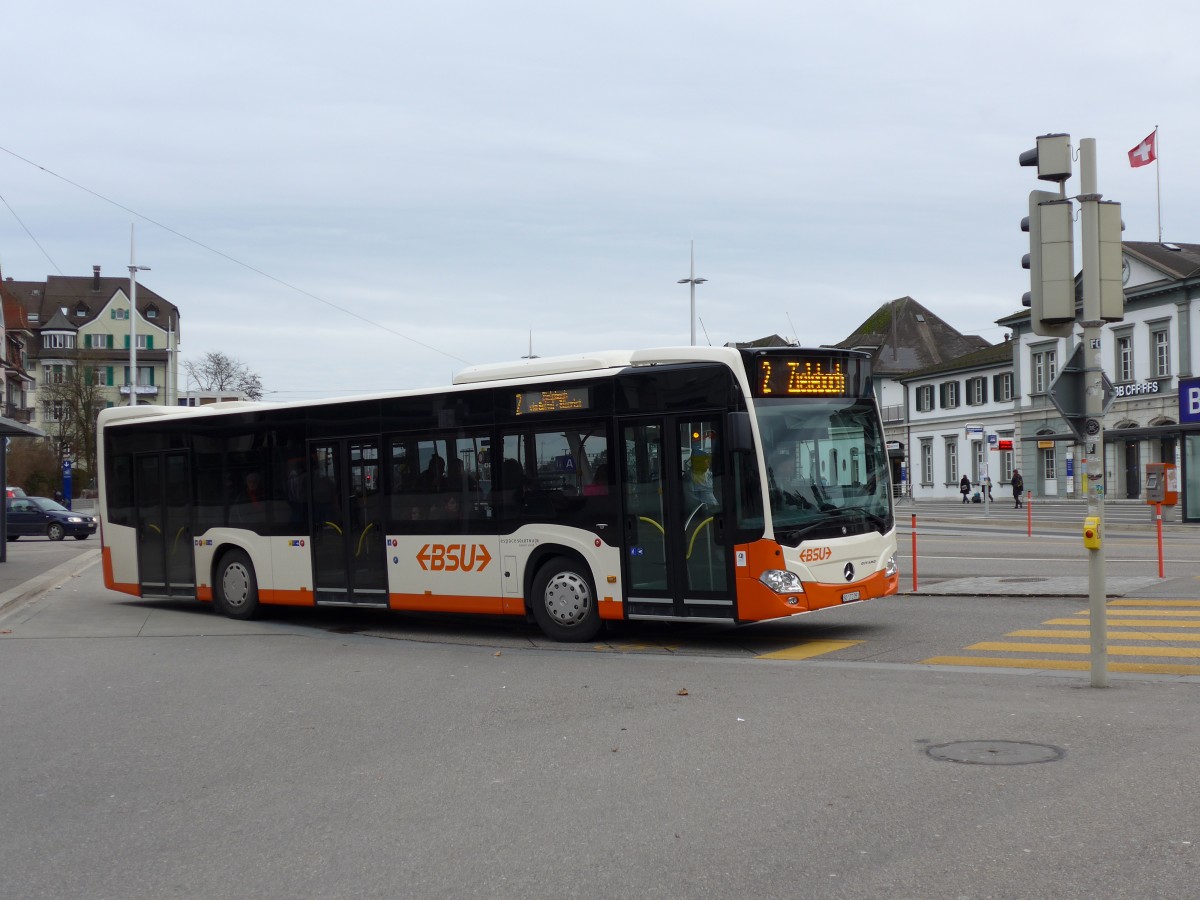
741, 435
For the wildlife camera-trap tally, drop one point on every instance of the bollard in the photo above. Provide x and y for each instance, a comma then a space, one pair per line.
1029, 513
914, 551
1158, 526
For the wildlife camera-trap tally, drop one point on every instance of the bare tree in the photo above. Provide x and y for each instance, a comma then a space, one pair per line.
73, 399
215, 371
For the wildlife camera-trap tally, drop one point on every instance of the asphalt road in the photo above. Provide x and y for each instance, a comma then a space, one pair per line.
152, 749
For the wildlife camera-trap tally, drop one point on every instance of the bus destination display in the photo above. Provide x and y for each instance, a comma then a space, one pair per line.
531, 402
779, 376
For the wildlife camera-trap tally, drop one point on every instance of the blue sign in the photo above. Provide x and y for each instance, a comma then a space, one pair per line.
1189, 400
66, 482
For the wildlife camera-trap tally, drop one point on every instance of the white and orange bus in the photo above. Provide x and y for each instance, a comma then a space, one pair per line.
701, 484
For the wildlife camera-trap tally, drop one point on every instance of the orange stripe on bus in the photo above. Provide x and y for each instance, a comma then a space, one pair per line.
282, 598
451, 603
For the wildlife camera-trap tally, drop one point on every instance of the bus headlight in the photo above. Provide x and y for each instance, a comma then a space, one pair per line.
781, 581
891, 568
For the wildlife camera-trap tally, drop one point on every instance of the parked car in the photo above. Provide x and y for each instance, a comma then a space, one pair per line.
14, 492
41, 515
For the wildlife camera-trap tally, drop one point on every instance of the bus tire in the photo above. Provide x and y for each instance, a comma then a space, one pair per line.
236, 586
563, 601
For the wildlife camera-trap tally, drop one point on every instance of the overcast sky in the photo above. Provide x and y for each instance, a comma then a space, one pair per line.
364, 196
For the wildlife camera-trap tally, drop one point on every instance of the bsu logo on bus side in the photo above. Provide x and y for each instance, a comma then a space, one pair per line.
454, 557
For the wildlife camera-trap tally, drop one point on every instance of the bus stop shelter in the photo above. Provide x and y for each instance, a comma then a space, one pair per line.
9, 428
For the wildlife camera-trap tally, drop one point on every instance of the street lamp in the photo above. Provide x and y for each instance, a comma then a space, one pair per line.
692, 281
133, 270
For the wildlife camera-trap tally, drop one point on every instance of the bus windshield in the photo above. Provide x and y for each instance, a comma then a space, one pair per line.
827, 467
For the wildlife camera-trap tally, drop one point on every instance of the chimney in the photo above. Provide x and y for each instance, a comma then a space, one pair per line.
95, 278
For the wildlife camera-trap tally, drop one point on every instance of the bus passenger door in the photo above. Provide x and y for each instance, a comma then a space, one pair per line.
349, 558
676, 560
162, 491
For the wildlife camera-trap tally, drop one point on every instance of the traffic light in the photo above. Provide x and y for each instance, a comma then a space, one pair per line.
1112, 284
1052, 156
1051, 228
1050, 261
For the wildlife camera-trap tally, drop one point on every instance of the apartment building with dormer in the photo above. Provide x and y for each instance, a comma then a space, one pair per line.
77, 321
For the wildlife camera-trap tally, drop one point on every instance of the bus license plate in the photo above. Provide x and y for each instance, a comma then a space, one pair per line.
850, 596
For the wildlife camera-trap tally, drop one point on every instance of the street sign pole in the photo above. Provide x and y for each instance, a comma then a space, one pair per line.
1089, 202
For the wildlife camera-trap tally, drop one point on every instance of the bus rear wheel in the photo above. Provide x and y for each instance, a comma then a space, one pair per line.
564, 601
236, 591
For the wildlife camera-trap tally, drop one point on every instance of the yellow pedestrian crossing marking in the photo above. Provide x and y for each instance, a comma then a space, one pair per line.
1127, 639
1075, 665
1112, 635
1195, 604
808, 650
1140, 623
1015, 647
1174, 613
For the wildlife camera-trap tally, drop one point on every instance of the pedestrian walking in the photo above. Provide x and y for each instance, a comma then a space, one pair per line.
964, 488
1018, 486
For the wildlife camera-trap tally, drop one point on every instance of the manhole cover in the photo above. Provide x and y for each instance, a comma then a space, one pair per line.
996, 753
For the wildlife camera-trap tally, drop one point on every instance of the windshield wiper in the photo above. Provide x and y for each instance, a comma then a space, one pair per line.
873, 517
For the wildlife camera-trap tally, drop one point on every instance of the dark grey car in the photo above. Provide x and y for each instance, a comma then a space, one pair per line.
43, 516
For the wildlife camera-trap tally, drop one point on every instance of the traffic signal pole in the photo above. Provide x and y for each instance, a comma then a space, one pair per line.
1053, 313
1089, 202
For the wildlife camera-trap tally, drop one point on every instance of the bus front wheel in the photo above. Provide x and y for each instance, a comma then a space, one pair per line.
236, 587
564, 601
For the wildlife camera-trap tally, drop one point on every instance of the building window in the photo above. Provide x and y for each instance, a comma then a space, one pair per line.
1162, 353
1004, 386
58, 341
1006, 465
152, 312
1048, 464
949, 394
1124, 358
976, 391
977, 460
927, 461
1045, 363
925, 398
120, 314
952, 460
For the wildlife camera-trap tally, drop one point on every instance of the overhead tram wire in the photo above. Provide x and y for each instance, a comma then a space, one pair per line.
30, 233
231, 259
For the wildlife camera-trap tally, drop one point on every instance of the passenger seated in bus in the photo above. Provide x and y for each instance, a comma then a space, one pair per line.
251, 504
434, 478
460, 479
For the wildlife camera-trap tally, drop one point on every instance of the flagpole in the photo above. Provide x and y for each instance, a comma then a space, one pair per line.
1158, 182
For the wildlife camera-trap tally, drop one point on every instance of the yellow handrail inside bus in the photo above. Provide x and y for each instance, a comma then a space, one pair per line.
362, 537
332, 525
695, 534
175, 546
652, 522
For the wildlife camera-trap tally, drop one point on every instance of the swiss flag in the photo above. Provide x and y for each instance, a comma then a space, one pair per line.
1144, 153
